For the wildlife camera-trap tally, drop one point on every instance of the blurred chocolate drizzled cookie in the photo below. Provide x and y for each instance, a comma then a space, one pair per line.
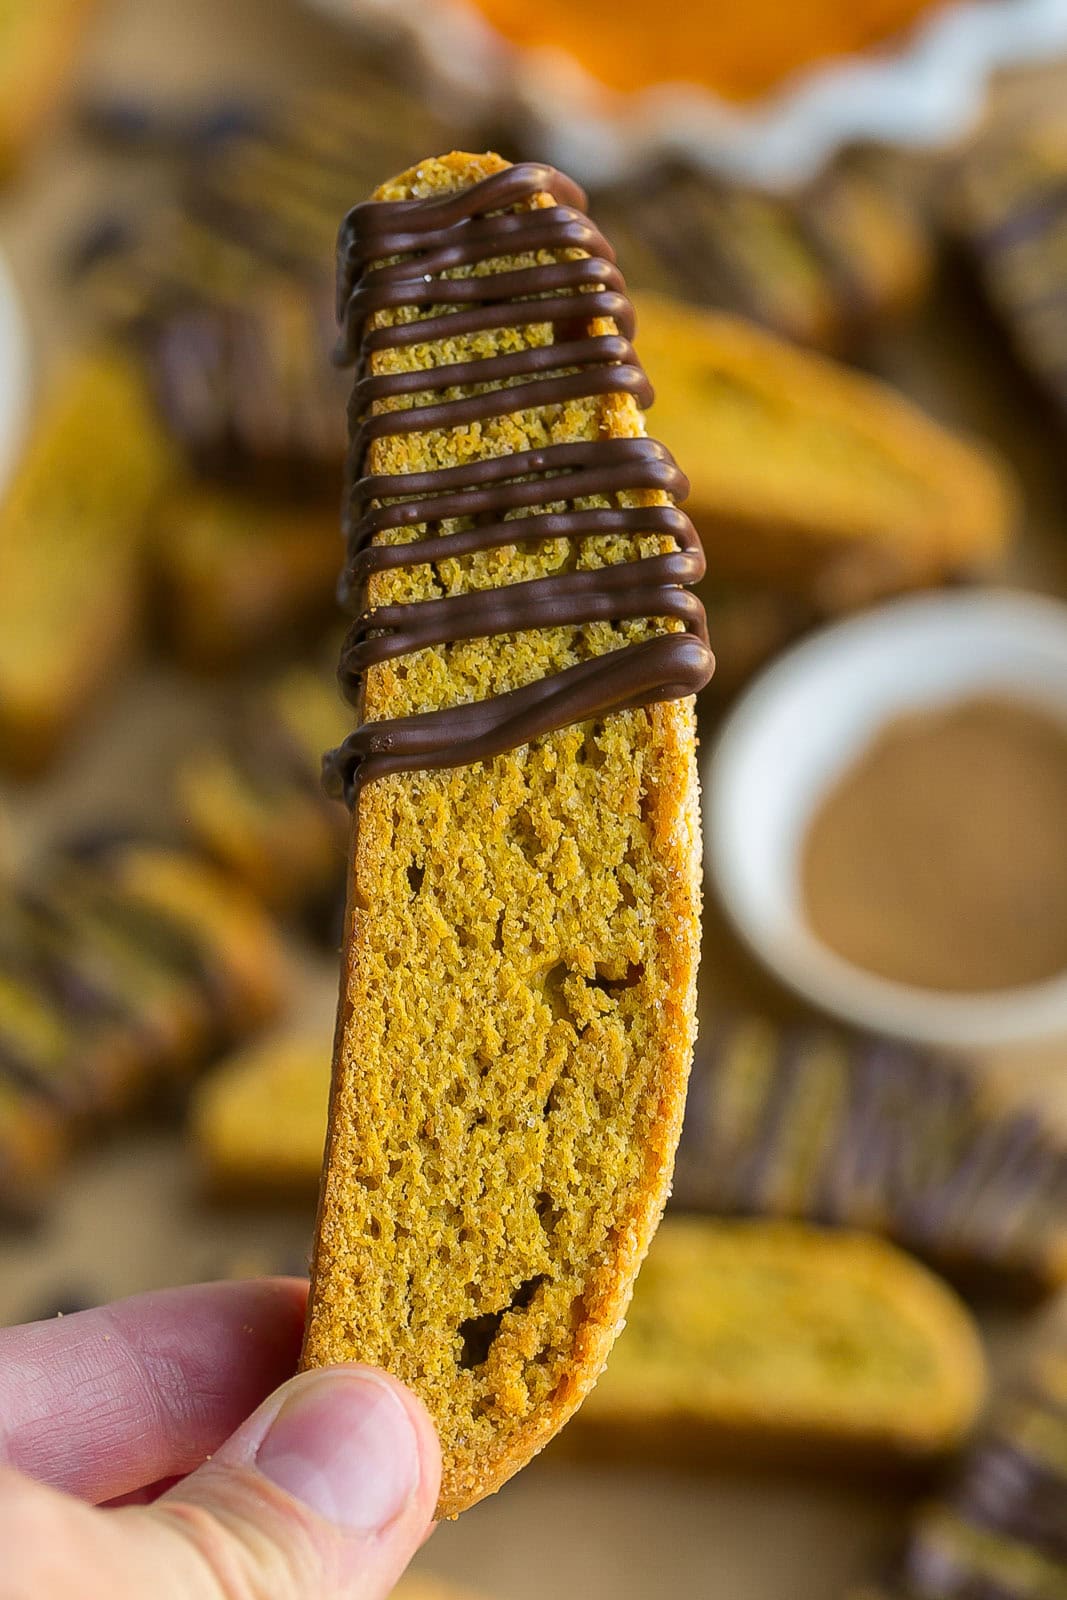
819, 267
1000, 1532
1008, 202
122, 965
255, 802
865, 1133
228, 284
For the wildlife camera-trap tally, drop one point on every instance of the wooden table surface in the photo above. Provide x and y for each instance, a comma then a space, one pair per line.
128, 1216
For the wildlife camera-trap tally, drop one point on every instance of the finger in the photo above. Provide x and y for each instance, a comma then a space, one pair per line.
324, 1494
104, 1402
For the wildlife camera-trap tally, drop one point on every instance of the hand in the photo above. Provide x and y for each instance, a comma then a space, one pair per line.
323, 1492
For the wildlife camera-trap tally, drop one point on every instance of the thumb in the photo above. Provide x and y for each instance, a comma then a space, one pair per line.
324, 1493
327, 1490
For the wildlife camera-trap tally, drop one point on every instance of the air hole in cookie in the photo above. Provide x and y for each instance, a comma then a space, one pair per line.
394, 1167
548, 1213
606, 1103
478, 1333
498, 933
416, 877
374, 1228
526, 1291
614, 986
555, 998
526, 837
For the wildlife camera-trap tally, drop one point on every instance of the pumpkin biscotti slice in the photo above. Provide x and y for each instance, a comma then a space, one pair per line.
73, 531
516, 1012
777, 1343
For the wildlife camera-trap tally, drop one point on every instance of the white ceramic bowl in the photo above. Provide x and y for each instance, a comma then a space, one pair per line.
14, 372
795, 731
926, 92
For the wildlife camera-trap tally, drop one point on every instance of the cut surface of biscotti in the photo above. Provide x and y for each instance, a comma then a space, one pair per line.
791, 1341
516, 1012
806, 473
73, 529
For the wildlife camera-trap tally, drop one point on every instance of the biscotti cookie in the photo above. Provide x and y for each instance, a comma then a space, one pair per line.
810, 475
1008, 202
1000, 1531
516, 1012
246, 386
259, 1120
73, 529
33, 1144
38, 42
118, 973
820, 268
255, 802
778, 1343
235, 944
238, 574
861, 1132
281, 181
224, 286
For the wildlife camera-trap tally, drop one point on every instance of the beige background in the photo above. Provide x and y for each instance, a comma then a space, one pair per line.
129, 1216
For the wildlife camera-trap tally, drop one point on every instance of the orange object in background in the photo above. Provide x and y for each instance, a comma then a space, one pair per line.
739, 52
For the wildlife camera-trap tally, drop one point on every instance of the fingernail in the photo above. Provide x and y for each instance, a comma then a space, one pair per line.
344, 1445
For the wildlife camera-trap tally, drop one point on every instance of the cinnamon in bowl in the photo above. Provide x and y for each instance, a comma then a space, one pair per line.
939, 858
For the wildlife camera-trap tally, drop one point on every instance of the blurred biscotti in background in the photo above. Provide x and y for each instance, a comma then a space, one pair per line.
811, 476
818, 1123
74, 527
822, 267
39, 40
238, 574
1000, 1529
1008, 203
124, 965
777, 1343
259, 1120
226, 286
255, 802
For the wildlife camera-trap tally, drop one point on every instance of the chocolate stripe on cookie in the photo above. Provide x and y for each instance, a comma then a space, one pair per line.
397, 256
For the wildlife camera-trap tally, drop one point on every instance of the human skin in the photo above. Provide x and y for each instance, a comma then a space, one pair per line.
160, 1446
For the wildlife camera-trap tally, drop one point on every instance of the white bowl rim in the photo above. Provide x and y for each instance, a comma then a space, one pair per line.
927, 92
803, 963
15, 370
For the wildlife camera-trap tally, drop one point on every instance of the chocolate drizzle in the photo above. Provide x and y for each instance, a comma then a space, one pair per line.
391, 256
906, 1144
